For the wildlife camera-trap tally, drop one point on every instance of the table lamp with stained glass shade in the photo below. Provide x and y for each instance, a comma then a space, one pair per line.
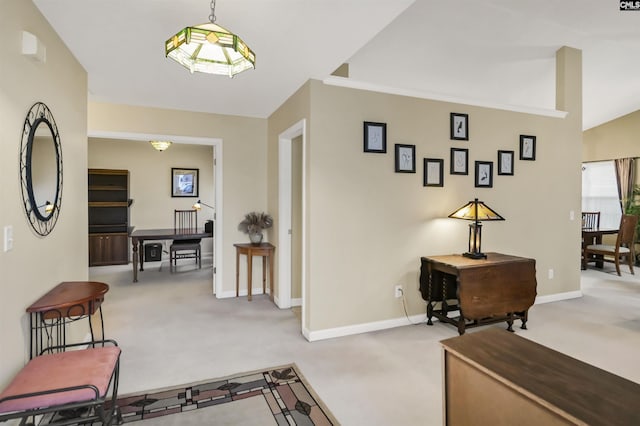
476, 211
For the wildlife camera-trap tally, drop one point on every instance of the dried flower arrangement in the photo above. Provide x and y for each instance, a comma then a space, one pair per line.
253, 225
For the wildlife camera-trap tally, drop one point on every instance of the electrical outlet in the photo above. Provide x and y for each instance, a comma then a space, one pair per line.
398, 291
550, 274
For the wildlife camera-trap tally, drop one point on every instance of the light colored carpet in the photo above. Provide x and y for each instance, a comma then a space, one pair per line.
172, 330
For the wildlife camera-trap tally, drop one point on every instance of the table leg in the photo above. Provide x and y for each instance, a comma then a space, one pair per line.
141, 254
271, 256
249, 273
237, 273
134, 259
264, 274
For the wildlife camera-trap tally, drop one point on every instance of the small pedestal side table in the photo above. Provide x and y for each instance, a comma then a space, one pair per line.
267, 251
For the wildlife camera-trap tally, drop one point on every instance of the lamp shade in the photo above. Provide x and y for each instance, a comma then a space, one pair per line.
198, 205
210, 48
476, 210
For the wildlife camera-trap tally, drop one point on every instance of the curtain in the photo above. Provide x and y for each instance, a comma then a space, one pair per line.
625, 178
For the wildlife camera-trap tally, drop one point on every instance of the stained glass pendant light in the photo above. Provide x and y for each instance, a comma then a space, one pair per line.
211, 49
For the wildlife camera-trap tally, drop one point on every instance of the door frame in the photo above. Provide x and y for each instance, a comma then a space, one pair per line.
285, 140
216, 285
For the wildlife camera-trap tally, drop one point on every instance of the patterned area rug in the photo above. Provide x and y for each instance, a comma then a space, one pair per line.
282, 395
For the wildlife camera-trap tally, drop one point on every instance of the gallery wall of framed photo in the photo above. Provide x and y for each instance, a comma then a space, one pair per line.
375, 141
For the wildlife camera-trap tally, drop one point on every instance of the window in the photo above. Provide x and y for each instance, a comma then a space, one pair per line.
600, 192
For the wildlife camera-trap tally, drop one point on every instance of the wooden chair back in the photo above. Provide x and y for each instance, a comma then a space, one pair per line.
627, 231
185, 220
590, 220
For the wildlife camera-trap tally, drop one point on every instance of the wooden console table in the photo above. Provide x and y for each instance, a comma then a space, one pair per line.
498, 288
267, 251
67, 302
493, 377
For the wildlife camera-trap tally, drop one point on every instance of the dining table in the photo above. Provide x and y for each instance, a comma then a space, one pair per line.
594, 236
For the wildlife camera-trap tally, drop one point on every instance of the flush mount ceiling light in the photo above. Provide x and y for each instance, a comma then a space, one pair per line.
160, 145
211, 49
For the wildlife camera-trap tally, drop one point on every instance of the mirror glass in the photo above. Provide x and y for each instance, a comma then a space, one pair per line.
44, 168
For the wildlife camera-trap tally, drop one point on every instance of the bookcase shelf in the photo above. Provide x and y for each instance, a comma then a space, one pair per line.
108, 203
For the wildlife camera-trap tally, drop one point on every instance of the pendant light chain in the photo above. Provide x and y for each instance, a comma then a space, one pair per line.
212, 17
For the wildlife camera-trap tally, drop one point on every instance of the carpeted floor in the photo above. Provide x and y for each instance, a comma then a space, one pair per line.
274, 396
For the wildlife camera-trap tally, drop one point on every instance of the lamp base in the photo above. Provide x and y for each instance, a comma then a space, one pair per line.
475, 255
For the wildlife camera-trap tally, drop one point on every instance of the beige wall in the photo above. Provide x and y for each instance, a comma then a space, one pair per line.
36, 264
368, 226
150, 179
618, 138
244, 168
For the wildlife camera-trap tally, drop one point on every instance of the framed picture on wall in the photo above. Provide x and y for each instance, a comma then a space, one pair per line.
184, 182
459, 126
459, 162
433, 172
527, 147
375, 137
484, 174
505, 163
405, 158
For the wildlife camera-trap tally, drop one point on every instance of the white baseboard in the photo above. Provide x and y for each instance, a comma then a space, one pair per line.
330, 333
558, 297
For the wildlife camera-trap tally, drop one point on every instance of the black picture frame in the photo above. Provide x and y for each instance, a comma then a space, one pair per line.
459, 161
375, 137
527, 147
184, 182
459, 126
505, 162
405, 160
433, 172
484, 174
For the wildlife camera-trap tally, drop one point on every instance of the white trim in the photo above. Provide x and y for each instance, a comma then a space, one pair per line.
362, 85
330, 333
348, 330
217, 157
558, 297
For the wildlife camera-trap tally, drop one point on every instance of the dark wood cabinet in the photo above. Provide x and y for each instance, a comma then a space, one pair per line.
108, 216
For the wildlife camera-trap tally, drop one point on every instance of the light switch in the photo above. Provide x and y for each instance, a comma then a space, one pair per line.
572, 215
8, 237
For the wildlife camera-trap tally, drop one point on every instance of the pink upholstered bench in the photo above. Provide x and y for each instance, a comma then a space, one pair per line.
61, 381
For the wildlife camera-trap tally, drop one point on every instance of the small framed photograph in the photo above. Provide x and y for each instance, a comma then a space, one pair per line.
459, 126
527, 147
184, 182
484, 174
405, 158
505, 163
375, 137
459, 163
433, 172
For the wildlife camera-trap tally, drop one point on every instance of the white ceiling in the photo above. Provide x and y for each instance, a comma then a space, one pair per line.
493, 51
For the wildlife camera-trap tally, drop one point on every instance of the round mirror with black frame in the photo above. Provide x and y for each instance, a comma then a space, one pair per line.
41, 169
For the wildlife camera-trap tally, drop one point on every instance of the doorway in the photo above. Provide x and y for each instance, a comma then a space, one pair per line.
292, 218
216, 143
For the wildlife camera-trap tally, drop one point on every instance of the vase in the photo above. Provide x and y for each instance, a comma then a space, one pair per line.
255, 238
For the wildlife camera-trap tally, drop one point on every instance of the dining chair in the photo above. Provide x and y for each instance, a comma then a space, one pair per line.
185, 221
590, 220
624, 247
